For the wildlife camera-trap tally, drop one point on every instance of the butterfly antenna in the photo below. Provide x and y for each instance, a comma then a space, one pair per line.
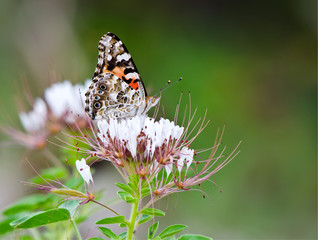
168, 85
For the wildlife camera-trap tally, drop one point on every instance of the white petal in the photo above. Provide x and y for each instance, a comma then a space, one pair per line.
84, 170
187, 155
150, 134
103, 127
180, 163
177, 132
169, 167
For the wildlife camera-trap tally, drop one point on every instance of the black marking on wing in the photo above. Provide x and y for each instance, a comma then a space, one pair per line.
129, 70
111, 64
128, 81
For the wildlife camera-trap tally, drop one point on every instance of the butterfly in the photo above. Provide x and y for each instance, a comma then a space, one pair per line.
117, 90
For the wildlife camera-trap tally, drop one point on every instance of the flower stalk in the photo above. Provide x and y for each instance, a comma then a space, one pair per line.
132, 221
77, 232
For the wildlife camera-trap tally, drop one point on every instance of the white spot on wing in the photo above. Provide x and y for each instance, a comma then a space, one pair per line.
118, 44
109, 57
108, 38
124, 56
133, 75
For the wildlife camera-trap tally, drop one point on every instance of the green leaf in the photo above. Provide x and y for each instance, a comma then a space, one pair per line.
111, 220
126, 188
133, 181
171, 230
107, 232
26, 204
131, 185
152, 230
124, 194
42, 218
96, 238
193, 237
123, 225
145, 192
126, 197
144, 218
5, 225
53, 173
152, 211
123, 235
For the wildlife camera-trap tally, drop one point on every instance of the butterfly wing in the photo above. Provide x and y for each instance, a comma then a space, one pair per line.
114, 58
117, 89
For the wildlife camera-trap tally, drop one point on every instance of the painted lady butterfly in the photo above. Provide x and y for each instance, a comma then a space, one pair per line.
117, 90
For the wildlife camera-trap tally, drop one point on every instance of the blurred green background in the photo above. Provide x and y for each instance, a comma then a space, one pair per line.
252, 64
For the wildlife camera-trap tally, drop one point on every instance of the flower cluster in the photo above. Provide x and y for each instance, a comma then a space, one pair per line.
156, 151
143, 144
61, 106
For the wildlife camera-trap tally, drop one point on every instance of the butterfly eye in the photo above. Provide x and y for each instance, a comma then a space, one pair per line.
102, 87
97, 105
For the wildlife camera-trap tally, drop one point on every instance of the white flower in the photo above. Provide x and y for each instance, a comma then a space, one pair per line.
84, 170
35, 120
186, 156
64, 98
169, 166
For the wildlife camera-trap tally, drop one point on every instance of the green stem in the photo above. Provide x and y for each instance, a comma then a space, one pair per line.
132, 220
78, 235
106, 207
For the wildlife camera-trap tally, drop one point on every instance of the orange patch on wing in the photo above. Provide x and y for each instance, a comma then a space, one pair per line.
119, 72
134, 84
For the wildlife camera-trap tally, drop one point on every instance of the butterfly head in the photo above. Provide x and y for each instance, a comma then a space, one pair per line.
150, 102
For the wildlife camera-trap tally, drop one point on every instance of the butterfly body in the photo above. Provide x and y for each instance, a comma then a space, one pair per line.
117, 90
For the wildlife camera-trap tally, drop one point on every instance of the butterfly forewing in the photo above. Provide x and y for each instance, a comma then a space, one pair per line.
114, 57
